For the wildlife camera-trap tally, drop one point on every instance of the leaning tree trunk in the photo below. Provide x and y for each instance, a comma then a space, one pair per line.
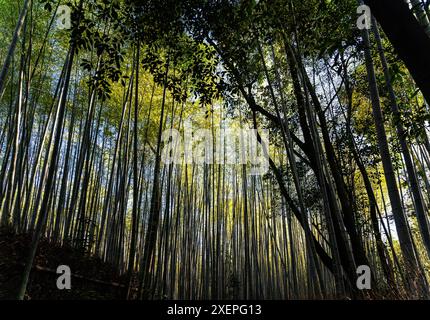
12, 46
407, 37
135, 221
57, 130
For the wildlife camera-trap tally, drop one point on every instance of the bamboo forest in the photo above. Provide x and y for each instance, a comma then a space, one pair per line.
215, 149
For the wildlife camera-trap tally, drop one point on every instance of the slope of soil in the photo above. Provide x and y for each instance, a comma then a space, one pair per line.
91, 277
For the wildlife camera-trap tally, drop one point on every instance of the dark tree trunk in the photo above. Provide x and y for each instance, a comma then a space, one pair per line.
407, 37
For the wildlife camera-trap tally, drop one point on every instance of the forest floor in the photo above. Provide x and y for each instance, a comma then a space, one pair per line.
91, 277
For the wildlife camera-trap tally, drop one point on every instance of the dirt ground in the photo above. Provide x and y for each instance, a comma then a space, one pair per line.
91, 277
